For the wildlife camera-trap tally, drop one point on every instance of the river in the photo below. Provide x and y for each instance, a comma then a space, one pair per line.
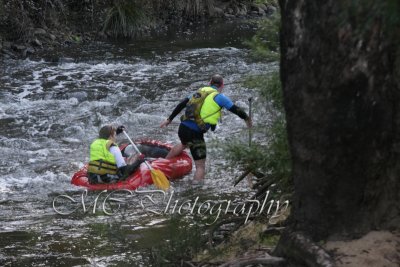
51, 108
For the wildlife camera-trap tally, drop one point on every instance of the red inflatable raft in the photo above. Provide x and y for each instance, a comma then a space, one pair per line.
156, 151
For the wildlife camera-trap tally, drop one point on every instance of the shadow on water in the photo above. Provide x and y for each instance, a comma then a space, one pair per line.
175, 39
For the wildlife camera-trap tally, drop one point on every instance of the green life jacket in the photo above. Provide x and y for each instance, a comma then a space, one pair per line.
101, 160
202, 108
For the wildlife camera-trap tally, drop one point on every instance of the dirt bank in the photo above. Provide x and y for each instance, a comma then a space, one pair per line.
375, 249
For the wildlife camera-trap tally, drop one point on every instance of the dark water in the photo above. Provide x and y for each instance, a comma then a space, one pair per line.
51, 109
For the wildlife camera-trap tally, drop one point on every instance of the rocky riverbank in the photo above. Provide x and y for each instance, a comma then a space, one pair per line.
30, 37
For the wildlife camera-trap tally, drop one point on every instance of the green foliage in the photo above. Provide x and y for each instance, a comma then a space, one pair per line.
183, 242
368, 15
271, 154
269, 87
272, 159
270, 241
265, 43
247, 157
76, 38
370, 22
392, 12
125, 19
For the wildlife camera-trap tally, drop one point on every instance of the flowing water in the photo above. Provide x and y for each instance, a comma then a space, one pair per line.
51, 109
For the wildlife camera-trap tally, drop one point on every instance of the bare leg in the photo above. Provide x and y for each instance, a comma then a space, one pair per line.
175, 151
200, 169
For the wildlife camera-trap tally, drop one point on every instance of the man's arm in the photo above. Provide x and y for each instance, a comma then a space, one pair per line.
224, 102
175, 112
239, 112
178, 109
242, 114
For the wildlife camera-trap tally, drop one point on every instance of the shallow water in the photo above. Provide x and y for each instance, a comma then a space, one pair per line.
51, 109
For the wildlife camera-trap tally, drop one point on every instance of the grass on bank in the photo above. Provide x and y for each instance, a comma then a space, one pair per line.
125, 19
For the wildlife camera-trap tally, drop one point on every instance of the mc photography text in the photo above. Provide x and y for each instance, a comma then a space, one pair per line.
164, 203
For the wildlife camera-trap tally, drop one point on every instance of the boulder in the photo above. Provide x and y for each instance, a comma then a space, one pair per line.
39, 31
263, 7
36, 42
18, 47
253, 7
28, 51
236, 10
7, 45
52, 37
101, 35
217, 12
271, 10
8, 53
229, 16
244, 10
257, 9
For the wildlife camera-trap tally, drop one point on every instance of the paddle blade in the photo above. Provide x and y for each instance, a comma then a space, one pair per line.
159, 179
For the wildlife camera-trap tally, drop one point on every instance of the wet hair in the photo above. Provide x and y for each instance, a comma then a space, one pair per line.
106, 131
217, 80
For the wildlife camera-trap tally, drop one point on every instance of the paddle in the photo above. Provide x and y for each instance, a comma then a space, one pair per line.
158, 177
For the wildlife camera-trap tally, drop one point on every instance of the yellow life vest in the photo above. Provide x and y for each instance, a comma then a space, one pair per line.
202, 108
210, 111
101, 160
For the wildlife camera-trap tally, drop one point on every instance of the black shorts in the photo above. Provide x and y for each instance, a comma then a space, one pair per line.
194, 140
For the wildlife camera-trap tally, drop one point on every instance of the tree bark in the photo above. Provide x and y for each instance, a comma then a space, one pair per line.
340, 77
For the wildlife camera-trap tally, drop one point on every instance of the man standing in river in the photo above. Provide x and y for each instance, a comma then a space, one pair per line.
203, 109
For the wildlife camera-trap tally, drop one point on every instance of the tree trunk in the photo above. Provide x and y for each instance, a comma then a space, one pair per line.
340, 77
